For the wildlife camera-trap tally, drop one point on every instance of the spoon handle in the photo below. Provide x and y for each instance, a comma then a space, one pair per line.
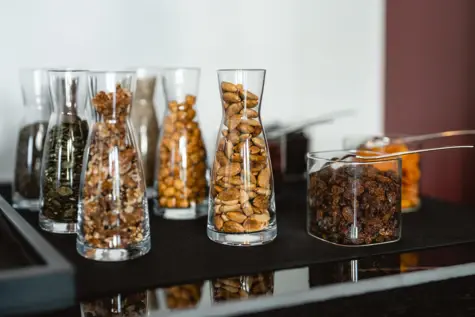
383, 156
436, 135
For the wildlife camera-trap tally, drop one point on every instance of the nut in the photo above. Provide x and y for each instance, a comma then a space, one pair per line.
243, 286
181, 172
241, 176
183, 296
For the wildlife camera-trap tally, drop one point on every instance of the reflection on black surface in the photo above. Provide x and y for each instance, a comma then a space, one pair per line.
204, 295
14, 251
183, 296
242, 287
354, 270
121, 305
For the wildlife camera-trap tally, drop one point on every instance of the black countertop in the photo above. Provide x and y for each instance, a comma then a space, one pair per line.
295, 275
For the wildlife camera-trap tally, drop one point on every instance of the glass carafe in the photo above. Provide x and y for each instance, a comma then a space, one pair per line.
144, 120
31, 137
181, 168
63, 151
241, 204
113, 212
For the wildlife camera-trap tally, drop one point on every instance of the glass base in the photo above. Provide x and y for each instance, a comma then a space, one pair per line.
180, 213
243, 239
56, 227
19, 202
353, 245
151, 193
114, 255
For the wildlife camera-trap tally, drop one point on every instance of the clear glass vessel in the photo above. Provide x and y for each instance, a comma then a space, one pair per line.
31, 136
181, 168
411, 165
63, 151
113, 220
242, 287
121, 305
353, 201
241, 203
143, 117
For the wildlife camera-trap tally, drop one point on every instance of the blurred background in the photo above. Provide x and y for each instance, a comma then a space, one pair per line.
405, 66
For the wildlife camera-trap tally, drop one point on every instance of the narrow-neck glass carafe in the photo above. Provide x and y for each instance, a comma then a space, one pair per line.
113, 220
241, 202
145, 122
63, 151
31, 136
181, 167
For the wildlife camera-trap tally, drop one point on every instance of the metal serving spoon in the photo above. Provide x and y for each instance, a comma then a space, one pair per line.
396, 154
381, 141
390, 155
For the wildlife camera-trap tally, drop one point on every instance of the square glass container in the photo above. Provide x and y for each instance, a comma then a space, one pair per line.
353, 201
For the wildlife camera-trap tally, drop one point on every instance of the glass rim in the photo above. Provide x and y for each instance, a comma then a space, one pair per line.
66, 70
182, 68
102, 72
315, 155
242, 70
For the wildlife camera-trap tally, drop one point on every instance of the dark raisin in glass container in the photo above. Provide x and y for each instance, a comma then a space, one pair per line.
353, 201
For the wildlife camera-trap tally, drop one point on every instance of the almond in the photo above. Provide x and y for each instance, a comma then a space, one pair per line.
228, 87
233, 227
218, 222
236, 216
231, 97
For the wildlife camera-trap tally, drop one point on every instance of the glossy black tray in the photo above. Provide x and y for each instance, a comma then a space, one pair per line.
32, 274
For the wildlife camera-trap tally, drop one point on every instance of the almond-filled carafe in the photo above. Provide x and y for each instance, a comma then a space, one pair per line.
113, 222
241, 205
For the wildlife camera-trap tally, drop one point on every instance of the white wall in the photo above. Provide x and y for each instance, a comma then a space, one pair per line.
321, 55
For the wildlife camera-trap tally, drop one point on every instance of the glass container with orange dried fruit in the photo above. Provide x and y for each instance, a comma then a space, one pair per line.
181, 173
411, 171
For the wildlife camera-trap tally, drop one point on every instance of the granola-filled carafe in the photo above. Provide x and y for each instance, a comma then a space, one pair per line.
63, 151
181, 167
144, 120
241, 204
32, 132
113, 212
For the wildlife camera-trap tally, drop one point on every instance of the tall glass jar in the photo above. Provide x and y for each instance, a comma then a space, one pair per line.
29, 151
63, 151
113, 217
144, 120
242, 203
181, 167
353, 201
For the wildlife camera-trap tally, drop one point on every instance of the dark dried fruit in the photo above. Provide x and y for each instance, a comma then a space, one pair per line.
354, 205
